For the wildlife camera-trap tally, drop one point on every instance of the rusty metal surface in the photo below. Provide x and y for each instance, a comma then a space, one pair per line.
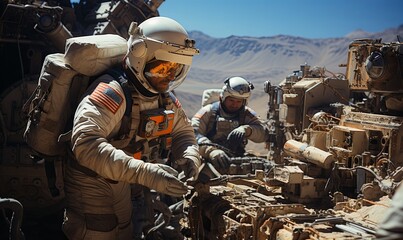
334, 157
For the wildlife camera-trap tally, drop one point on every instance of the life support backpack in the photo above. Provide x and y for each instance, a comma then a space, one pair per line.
63, 80
210, 96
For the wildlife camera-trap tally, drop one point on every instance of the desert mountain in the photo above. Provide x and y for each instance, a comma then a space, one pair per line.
263, 58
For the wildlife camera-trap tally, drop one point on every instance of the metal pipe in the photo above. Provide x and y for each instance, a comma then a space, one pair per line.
57, 36
303, 151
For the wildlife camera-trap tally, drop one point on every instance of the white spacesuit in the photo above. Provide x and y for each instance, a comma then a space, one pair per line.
107, 158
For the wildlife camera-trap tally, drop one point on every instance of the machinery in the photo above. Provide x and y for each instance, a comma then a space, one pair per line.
343, 131
334, 159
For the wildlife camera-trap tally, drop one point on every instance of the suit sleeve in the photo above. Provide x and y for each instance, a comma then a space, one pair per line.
183, 138
200, 124
257, 126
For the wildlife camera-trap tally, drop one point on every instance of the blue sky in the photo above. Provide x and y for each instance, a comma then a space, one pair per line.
304, 18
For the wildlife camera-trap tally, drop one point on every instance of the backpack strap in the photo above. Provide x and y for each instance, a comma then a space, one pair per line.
118, 74
134, 115
242, 116
212, 124
131, 117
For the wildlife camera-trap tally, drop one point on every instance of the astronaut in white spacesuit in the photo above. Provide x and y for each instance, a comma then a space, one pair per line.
115, 151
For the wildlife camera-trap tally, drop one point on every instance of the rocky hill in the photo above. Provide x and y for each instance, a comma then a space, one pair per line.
263, 58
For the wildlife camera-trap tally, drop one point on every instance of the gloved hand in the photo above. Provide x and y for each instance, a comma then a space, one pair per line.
189, 167
219, 159
235, 137
161, 178
203, 140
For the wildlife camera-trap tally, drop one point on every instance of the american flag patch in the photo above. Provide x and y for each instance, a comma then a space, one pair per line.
107, 96
175, 100
177, 103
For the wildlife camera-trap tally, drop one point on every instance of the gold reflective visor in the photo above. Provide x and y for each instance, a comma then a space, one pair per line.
162, 69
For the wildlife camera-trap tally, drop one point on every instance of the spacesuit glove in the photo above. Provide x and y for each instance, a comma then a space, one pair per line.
236, 136
219, 159
161, 178
189, 167
203, 140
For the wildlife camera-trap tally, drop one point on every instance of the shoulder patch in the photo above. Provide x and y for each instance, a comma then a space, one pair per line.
200, 113
106, 96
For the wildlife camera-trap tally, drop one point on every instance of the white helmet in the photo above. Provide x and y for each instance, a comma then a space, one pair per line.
236, 87
159, 38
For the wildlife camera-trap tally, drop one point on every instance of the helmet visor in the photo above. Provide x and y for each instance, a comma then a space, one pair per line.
162, 69
164, 76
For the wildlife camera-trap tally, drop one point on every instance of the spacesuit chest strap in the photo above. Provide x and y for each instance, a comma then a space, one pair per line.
212, 123
130, 121
131, 117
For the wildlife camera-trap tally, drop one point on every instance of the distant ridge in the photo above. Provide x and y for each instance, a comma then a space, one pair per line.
264, 58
